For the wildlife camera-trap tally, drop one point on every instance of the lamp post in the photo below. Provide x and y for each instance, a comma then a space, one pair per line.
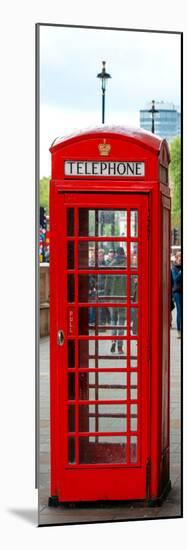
104, 76
153, 111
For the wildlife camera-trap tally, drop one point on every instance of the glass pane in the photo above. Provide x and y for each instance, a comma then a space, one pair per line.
134, 223
102, 288
71, 450
114, 346
102, 222
102, 386
112, 223
133, 419
102, 320
134, 255
133, 349
70, 258
86, 392
84, 222
71, 418
71, 288
112, 418
103, 450
134, 409
71, 386
99, 355
70, 222
71, 354
133, 363
134, 288
133, 378
133, 394
134, 320
99, 255
133, 385
104, 418
91, 222
133, 449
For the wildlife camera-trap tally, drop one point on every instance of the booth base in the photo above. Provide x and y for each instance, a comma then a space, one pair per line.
54, 502
157, 501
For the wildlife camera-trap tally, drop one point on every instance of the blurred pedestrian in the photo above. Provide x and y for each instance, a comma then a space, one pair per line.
177, 278
116, 289
111, 255
172, 299
102, 312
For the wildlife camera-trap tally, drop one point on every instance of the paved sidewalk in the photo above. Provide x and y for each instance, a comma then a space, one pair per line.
97, 513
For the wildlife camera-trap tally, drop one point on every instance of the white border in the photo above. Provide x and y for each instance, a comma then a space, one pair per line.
17, 495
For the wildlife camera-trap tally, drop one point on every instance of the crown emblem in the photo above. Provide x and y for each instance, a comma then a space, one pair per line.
104, 148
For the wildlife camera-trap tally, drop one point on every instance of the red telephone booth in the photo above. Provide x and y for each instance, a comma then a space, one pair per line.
110, 316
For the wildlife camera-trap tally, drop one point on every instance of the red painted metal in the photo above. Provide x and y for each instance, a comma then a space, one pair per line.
94, 468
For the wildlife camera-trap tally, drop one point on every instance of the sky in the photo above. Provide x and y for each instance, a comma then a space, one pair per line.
143, 66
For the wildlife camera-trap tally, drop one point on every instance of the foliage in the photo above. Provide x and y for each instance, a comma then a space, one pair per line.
175, 175
44, 193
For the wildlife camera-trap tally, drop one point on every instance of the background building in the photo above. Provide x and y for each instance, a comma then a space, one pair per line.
167, 119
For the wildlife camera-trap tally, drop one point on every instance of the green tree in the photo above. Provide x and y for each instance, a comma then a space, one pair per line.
175, 175
44, 193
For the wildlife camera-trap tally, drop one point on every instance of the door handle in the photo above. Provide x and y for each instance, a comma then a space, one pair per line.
60, 338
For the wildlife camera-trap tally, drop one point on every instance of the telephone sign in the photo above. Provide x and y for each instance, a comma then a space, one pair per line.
98, 168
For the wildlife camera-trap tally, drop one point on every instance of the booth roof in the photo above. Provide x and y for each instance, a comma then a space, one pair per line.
138, 134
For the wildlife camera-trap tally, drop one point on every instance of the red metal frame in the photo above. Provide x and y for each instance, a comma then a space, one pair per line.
148, 477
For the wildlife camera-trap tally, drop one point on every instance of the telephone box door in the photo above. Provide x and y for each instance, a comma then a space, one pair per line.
102, 346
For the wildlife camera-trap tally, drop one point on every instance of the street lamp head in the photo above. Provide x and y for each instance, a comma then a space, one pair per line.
103, 76
153, 110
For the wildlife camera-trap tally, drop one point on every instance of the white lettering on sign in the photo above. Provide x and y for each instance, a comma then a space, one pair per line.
108, 168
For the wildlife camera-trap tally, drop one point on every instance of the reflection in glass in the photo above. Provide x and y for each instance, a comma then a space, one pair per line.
104, 344
102, 222
134, 288
106, 450
134, 320
104, 255
102, 288
134, 255
103, 320
134, 223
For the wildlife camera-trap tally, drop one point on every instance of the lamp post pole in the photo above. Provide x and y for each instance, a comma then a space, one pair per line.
103, 76
153, 111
